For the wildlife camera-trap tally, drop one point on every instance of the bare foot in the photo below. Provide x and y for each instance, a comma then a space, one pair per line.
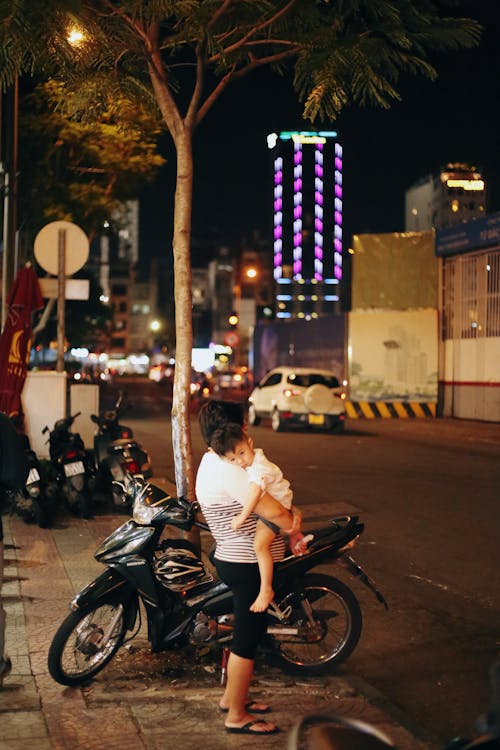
263, 600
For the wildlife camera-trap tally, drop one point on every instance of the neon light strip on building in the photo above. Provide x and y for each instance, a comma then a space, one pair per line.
297, 210
278, 217
318, 212
337, 226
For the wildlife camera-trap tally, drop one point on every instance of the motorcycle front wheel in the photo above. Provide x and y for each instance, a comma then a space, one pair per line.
85, 642
327, 619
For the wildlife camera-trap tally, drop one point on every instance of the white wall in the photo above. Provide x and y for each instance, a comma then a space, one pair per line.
44, 402
84, 399
471, 387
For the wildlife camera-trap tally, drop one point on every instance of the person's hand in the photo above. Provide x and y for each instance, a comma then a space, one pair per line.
299, 542
237, 523
296, 522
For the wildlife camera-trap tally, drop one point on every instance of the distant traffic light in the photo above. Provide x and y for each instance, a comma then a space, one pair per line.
233, 320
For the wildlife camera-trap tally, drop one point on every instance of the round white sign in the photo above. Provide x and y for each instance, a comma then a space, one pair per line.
46, 247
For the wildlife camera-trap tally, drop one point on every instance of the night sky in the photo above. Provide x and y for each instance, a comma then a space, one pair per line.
456, 118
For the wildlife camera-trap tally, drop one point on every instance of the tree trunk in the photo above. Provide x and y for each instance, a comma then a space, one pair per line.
181, 404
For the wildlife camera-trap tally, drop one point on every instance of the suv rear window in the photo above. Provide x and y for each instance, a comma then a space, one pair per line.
313, 378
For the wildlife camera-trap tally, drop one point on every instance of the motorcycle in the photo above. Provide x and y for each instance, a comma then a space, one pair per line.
70, 463
35, 502
116, 454
314, 621
342, 731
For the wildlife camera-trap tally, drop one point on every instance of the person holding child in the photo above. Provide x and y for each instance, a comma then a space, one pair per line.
232, 443
222, 489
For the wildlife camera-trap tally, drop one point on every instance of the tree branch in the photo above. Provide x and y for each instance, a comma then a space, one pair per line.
219, 13
191, 119
236, 74
254, 30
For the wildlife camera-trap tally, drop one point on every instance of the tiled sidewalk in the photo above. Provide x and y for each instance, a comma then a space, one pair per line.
141, 700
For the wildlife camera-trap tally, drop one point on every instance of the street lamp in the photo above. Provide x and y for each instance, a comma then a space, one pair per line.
251, 273
155, 326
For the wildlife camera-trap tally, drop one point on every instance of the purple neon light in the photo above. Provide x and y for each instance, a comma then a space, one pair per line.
318, 212
297, 211
278, 218
337, 230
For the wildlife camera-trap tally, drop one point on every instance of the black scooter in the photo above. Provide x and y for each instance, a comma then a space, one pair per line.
70, 465
314, 621
36, 501
116, 454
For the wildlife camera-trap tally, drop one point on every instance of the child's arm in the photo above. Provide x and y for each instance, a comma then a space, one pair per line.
253, 497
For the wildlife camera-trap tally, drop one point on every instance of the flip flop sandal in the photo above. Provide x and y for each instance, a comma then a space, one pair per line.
251, 708
248, 729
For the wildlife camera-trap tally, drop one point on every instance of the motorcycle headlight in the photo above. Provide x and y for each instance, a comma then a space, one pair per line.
143, 513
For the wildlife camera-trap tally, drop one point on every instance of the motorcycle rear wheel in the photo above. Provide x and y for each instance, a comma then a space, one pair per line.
76, 653
79, 503
330, 637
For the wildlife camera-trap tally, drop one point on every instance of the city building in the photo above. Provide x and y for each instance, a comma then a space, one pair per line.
469, 307
132, 297
455, 194
307, 212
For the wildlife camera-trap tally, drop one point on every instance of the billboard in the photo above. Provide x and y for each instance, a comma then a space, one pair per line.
393, 355
301, 343
471, 235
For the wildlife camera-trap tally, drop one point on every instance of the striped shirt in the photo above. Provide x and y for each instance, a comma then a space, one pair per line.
221, 490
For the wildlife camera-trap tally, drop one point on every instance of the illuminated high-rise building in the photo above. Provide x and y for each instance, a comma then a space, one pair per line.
455, 194
307, 211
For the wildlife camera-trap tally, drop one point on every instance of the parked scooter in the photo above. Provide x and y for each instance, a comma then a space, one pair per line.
36, 501
314, 622
116, 454
71, 465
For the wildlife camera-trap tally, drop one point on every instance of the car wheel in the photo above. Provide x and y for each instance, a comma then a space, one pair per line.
276, 421
253, 419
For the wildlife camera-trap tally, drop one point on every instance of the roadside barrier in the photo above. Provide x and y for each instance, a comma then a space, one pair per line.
389, 409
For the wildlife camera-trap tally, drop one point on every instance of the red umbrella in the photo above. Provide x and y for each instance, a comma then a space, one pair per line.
25, 297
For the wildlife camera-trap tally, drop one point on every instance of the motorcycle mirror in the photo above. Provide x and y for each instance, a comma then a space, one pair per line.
334, 732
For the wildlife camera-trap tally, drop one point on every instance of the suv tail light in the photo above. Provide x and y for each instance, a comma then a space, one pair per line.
289, 392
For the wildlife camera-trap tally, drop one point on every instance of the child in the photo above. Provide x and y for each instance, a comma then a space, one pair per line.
232, 443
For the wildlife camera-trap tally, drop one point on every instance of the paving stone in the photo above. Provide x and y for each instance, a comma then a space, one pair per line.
19, 693
141, 700
25, 726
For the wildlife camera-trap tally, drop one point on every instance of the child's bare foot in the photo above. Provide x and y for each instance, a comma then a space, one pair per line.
263, 600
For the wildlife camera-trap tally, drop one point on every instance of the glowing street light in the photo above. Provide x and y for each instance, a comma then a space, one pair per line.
75, 37
155, 326
251, 272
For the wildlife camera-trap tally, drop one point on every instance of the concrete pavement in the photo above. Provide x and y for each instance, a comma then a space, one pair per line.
141, 700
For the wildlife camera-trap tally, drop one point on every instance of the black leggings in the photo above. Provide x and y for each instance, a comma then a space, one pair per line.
249, 627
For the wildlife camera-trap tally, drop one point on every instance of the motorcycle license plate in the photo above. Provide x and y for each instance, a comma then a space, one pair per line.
316, 419
33, 476
74, 468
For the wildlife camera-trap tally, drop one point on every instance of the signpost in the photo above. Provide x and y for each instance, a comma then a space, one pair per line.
61, 248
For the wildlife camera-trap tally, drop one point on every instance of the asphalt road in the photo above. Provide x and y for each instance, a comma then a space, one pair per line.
428, 492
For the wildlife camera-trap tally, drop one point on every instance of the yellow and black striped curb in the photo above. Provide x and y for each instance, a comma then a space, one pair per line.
389, 409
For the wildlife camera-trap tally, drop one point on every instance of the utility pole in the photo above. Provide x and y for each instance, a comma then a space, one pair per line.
9, 149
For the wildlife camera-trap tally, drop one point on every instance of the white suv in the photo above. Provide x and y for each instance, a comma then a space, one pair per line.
298, 395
